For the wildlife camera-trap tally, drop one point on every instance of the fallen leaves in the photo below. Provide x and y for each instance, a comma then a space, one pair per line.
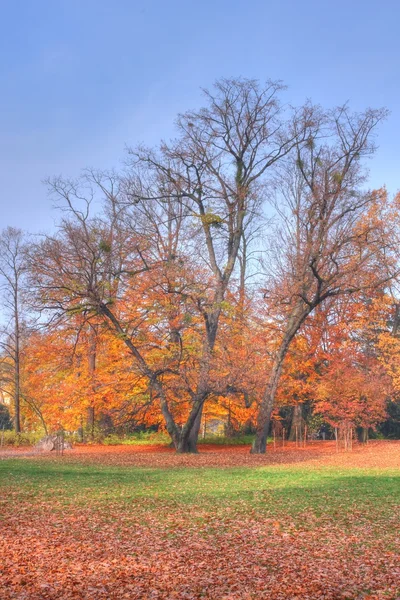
376, 454
247, 561
156, 548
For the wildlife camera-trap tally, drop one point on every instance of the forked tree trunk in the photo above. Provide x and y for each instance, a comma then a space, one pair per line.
188, 443
183, 439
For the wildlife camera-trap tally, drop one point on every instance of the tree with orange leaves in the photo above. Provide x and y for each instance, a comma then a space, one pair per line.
173, 228
332, 238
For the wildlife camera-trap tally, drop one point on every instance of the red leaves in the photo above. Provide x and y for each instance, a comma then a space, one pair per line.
246, 560
157, 550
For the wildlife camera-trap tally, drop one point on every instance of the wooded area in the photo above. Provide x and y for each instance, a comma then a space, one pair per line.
241, 274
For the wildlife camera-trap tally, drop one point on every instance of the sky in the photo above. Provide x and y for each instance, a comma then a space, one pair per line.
82, 80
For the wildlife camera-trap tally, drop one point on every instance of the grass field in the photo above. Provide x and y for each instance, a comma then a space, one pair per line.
120, 522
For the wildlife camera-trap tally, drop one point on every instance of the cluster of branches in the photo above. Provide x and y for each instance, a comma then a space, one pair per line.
253, 203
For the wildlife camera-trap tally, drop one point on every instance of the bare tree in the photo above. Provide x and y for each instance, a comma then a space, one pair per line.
12, 272
331, 237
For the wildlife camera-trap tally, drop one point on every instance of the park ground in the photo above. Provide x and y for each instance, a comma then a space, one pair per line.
140, 522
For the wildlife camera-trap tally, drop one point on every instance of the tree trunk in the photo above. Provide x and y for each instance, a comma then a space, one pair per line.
90, 421
37, 411
17, 412
362, 435
92, 356
296, 427
195, 431
266, 408
17, 379
187, 445
188, 441
295, 321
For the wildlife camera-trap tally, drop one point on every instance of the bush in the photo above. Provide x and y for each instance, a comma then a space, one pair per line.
10, 438
5, 418
237, 440
151, 437
137, 439
391, 427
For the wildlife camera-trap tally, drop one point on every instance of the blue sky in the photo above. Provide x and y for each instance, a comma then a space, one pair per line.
82, 79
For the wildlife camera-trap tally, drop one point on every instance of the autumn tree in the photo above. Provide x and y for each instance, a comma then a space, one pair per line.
198, 190
352, 395
332, 238
60, 385
339, 364
218, 168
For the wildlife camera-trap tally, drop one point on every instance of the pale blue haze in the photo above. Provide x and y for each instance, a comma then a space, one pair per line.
81, 79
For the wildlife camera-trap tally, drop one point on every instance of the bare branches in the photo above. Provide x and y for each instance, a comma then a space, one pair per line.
332, 237
12, 279
152, 254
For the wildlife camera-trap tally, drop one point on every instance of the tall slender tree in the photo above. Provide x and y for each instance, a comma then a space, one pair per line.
12, 273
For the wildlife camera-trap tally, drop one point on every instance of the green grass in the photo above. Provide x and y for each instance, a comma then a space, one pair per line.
221, 440
10, 438
323, 494
248, 526
144, 438
136, 439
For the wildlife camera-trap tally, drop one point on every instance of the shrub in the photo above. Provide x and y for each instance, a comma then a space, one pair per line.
237, 440
137, 439
10, 438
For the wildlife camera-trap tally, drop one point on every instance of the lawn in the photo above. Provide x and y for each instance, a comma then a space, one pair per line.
144, 523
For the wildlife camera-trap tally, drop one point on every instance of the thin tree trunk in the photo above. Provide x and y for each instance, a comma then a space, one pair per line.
92, 372
38, 412
17, 399
17, 366
90, 421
